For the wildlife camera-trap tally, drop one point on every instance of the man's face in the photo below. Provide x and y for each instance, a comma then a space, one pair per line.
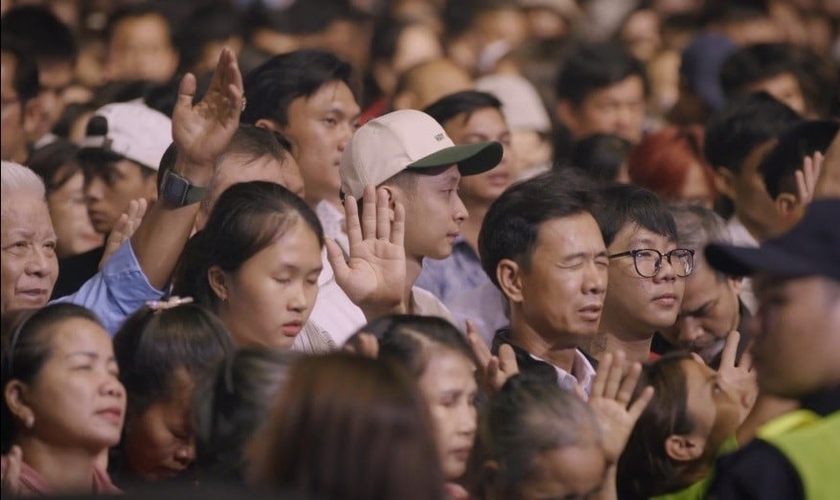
483, 125
319, 128
28, 241
563, 287
13, 145
746, 189
785, 88
709, 311
642, 305
796, 334
433, 213
140, 49
54, 78
236, 168
109, 189
618, 109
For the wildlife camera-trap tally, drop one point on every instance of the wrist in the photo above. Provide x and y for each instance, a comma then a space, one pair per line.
197, 172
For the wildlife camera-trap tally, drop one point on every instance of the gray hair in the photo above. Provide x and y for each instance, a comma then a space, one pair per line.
15, 178
698, 227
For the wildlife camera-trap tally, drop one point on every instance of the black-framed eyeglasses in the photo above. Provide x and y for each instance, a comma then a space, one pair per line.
648, 261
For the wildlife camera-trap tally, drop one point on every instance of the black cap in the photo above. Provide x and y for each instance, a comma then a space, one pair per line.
811, 248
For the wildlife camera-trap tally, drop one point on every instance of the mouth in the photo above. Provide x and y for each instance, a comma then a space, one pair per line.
34, 295
115, 414
591, 312
452, 236
666, 300
461, 454
292, 329
498, 179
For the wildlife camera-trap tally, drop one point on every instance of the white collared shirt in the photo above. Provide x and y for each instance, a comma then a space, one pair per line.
582, 375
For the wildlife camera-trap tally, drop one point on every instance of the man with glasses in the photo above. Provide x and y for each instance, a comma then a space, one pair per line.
646, 273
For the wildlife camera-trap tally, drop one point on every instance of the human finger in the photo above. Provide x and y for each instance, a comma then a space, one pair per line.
639, 405
730, 349
601, 375
383, 215
351, 221
369, 213
614, 375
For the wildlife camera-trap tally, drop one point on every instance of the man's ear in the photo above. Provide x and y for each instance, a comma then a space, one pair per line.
684, 448
269, 124
218, 283
725, 182
15, 395
508, 273
394, 196
567, 115
786, 205
31, 119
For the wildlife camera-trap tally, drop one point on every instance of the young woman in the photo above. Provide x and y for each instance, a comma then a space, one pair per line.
438, 356
63, 404
233, 405
163, 351
256, 264
350, 428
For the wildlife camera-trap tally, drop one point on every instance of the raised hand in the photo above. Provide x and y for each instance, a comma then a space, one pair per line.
610, 400
495, 370
740, 377
124, 228
202, 131
806, 177
374, 276
363, 344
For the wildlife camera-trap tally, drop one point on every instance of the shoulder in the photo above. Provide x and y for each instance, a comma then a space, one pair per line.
758, 470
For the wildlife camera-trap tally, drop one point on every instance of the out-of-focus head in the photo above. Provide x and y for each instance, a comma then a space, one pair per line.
163, 353
537, 440
438, 356
710, 308
141, 45
680, 431
542, 247
233, 405
308, 96
601, 88
30, 267
19, 89
205, 32
398, 45
745, 23
700, 67
262, 280
337, 411
671, 164
60, 386
770, 67
425, 83
602, 156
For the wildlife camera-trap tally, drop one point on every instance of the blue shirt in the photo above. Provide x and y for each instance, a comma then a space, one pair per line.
449, 278
117, 291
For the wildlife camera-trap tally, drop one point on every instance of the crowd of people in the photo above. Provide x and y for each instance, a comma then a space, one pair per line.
421, 249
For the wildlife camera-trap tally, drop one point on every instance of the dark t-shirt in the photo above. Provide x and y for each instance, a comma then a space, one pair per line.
74, 271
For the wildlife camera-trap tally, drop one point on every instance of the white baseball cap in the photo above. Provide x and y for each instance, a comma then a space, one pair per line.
407, 139
521, 103
130, 129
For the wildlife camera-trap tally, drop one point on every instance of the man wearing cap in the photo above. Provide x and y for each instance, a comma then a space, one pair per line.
417, 168
796, 351
120, 155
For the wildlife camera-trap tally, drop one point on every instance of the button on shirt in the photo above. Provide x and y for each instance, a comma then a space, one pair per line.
117, 291
449, 278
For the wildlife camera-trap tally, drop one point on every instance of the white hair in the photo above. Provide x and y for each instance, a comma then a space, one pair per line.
15, 178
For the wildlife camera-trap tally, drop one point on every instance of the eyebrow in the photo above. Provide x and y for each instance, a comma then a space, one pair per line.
706, 304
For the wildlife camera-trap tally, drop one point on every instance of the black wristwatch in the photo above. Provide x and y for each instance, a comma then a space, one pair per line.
179, 191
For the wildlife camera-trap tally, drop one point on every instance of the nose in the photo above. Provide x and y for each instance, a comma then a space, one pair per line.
185, 453
595, 279
689, 330
468, 420
38, 263
666, 271
460, 213
347, 131
297, 298
112, 387
92, 189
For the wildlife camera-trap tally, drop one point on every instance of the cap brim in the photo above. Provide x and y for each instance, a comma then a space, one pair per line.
742, 261
471, 159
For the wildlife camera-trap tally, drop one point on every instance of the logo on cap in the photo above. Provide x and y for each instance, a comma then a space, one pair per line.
439, 137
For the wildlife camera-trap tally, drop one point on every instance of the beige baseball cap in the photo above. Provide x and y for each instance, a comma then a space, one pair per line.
407, 139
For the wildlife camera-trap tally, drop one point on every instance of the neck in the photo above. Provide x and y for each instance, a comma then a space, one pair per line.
65, 470
413, 266
472, 226
525, 336
616, 335
758, 231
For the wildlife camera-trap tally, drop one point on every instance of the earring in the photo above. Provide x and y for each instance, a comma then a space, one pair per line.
29, 422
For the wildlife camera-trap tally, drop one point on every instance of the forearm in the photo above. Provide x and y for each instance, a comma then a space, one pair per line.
608, 490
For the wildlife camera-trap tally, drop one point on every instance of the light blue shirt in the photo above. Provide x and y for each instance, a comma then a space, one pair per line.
451, 277
117, 291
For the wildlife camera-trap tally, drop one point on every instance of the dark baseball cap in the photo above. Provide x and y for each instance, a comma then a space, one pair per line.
811, 248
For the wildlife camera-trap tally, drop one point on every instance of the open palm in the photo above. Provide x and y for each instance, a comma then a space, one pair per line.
374, 276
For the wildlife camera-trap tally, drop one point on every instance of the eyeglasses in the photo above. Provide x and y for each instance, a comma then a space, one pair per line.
648, 261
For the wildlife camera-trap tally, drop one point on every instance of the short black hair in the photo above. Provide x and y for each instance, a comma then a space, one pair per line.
271, 87
212, 22
778, 168
25, 82
755, 63
734, 11
467, 101
133, 11
590, 67
512, 223
621, 204
599, 156
44, 36
736, 130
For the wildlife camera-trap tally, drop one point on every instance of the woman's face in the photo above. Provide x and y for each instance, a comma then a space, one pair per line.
712, 405
448, 384
160, 442
696, 190
70, 218
269, 298
76, 399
